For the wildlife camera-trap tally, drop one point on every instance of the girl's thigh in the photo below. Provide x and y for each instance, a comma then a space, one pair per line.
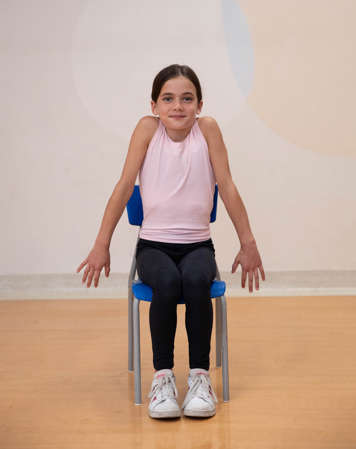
198, 264
155, 268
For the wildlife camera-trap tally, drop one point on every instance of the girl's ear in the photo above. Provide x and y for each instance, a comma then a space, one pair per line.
154, 108
200, 105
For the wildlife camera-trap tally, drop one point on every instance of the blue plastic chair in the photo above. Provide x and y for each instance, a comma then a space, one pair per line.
138, 291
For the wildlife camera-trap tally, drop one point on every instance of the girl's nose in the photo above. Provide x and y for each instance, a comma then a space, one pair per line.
178, 105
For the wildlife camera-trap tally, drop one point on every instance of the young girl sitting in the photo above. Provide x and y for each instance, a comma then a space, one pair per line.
179, 158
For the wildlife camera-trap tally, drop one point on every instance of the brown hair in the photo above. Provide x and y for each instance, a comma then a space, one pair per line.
173, 71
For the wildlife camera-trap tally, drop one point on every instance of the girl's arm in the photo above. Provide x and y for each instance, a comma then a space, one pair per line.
99, 256
123, 190
248, 256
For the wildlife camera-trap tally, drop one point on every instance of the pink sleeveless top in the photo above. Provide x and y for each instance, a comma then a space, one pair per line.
177, 186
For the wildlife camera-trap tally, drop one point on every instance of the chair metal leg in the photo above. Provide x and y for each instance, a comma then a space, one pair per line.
218, 333
225, 355
137, 350
130, 328
130, 318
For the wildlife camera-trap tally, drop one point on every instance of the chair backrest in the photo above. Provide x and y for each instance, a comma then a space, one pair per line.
135, 209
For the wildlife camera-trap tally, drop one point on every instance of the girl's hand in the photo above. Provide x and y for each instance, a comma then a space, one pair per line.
98, 258
250, 261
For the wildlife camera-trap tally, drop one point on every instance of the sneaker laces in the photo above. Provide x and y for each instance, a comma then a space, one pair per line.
163, 387
200, 386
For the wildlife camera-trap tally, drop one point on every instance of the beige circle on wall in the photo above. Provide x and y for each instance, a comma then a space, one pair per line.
305, 71
119, 47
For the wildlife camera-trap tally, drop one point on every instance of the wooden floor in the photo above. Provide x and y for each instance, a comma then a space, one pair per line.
64, 381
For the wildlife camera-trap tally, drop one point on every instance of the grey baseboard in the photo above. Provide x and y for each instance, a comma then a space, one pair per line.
278, 283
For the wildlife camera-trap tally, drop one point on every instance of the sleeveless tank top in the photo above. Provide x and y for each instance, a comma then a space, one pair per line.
177, 184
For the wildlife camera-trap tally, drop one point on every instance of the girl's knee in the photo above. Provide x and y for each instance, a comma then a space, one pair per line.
196, 280
169, 286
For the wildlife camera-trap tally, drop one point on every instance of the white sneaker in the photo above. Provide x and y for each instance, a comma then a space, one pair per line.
163, 395
200, 399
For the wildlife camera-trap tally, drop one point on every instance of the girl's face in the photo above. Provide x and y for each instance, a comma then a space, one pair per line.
177, 104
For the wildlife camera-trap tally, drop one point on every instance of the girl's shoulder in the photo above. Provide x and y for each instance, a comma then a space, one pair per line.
149, 124
206, 125
150, 121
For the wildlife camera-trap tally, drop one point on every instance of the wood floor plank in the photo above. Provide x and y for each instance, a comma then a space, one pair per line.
64, 381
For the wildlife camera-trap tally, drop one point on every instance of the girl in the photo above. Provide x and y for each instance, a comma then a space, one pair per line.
179, 161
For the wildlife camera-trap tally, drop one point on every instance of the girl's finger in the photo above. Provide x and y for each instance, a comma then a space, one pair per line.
262, 272
96, 278
243, 278
250, 281
90, 278
257, 283
85, 275
235, 265
81, 265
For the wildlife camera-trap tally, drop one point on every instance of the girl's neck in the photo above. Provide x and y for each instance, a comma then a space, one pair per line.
180, 135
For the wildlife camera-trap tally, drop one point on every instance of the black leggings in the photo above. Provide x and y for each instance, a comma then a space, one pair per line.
174, 270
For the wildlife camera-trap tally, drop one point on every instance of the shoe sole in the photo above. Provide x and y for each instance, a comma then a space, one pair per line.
171, 414
199, 413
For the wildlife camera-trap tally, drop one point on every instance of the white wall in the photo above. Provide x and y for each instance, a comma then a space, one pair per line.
278, 76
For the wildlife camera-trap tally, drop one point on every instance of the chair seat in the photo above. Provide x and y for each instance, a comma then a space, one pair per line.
144, 293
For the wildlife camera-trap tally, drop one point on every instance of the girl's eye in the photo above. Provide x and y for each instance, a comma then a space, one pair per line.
185, 98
